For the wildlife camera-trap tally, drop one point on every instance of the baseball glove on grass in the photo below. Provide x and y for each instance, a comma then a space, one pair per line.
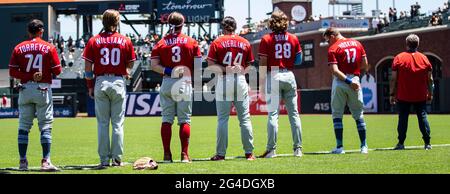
145, 163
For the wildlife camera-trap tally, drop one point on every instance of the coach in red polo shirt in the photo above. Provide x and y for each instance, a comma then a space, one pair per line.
412, 85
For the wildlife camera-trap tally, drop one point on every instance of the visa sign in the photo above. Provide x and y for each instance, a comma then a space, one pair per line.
143, 104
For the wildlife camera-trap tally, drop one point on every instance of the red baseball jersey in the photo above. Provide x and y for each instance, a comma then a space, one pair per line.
31, 56
347, 54
176, 50
110, 52
280, 50
412, 76
230, 50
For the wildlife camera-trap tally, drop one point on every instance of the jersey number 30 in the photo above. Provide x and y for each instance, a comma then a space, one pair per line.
114, 55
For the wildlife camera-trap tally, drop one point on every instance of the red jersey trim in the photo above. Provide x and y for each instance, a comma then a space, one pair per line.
132, 60
87, 59
262, 54
155, 57
13, 65
56, 66
198, 56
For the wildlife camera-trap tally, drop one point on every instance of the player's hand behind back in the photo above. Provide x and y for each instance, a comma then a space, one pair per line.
177, 72
355, 86
37, 76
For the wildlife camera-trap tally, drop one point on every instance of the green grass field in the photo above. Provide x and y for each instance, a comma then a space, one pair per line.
75, 144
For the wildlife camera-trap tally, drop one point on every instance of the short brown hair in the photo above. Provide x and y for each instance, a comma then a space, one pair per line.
412, 41
331, 31
176, 20
228, 24
35, 26
111, 19
278, 22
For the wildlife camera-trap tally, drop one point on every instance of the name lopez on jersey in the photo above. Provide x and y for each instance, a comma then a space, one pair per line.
110, 40
34, 47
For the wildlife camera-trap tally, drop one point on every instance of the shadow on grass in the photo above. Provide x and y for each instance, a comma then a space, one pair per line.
83, 167
8, 170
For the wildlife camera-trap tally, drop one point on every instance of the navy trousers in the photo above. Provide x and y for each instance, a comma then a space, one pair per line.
402, 128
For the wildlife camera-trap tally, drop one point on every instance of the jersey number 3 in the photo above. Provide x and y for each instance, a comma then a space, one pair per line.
176, 54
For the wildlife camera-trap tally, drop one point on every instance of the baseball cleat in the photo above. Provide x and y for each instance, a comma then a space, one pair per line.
185, 158
427, 147
103, 165
250, 157
399, 147
47, 166
364, 150
269, 154
23, 165
218, 158
339, 150
117, 163
298, 152
168, 158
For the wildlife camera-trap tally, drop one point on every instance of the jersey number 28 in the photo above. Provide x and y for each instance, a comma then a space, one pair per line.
283, 51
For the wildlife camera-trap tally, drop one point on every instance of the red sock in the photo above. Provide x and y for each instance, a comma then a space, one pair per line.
185, 133
166, 135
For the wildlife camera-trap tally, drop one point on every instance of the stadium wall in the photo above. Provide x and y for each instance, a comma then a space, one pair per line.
14, 21
380, 50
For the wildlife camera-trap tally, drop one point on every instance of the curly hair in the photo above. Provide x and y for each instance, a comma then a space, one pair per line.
279, 22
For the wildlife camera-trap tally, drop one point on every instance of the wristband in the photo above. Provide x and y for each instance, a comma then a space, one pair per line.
348, 80
89, 74
168, 71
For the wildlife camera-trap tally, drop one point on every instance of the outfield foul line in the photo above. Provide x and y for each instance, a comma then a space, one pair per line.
95, 166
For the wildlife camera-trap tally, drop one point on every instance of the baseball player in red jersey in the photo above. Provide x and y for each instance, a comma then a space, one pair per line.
230, 54
346, 59
34, 62
279, 52
111, 55
175, 57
